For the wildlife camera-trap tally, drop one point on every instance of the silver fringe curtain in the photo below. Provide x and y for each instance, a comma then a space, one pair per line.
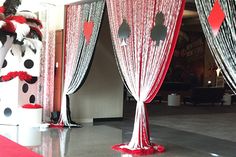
223, 45
79, 51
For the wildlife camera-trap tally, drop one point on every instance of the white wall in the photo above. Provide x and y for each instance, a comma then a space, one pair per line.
102, 94
59, 17
36, 5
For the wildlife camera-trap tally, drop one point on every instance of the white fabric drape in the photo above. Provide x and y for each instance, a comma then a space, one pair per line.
143, 62
78, 51
47, 63
222, 46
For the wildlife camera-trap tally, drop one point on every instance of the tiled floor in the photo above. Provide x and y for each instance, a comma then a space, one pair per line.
192, 133
220, 125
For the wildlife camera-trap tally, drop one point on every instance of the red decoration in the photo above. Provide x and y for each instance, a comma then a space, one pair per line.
150, 150
88, 30
21, 74
32, 106
56, 125
12, 149
9, 26
2, 9
216, 18
19, 19
37, 21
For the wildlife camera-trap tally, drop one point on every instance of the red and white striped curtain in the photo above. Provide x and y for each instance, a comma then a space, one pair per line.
143, 56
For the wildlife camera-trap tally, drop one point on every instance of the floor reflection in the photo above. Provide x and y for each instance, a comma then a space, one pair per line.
48, 142
96, 141
57, 142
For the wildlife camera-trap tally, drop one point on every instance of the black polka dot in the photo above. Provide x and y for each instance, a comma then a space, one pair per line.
33, 80
4, 64
25, 88
32, 99
7, 112
28, 64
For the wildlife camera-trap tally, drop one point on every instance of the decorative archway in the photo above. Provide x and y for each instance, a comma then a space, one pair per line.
144, 35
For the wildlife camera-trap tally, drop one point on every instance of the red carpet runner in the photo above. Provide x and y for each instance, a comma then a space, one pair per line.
9, 148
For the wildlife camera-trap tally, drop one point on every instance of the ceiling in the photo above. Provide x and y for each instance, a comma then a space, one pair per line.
190, 9
191, 22
37, 4
190, 18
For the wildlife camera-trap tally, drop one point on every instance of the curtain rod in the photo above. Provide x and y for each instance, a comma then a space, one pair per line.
84, 2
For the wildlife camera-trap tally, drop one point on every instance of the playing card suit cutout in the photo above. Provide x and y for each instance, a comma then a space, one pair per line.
88, 30
216, 18
159, 31
124, 32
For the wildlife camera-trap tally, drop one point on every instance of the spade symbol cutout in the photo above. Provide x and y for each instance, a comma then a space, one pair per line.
159, 31
124, 32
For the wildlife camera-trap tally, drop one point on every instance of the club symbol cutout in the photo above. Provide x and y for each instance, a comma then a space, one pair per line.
159, 31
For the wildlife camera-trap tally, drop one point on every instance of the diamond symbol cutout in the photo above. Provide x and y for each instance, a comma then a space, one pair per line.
216, 17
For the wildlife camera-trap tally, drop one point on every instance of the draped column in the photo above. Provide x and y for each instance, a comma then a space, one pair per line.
144, 34
222, 45
81, 30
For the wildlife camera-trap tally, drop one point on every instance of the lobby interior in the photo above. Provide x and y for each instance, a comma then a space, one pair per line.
186, 128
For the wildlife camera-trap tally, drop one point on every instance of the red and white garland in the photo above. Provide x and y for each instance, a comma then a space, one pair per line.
21, 74
32, 21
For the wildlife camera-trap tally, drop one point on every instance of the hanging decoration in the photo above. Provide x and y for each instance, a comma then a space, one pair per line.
159, 31
88, 30
143, 63
78, 49
20, 73
124, 29
12, 28
216, 17
222, 46
124, 32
